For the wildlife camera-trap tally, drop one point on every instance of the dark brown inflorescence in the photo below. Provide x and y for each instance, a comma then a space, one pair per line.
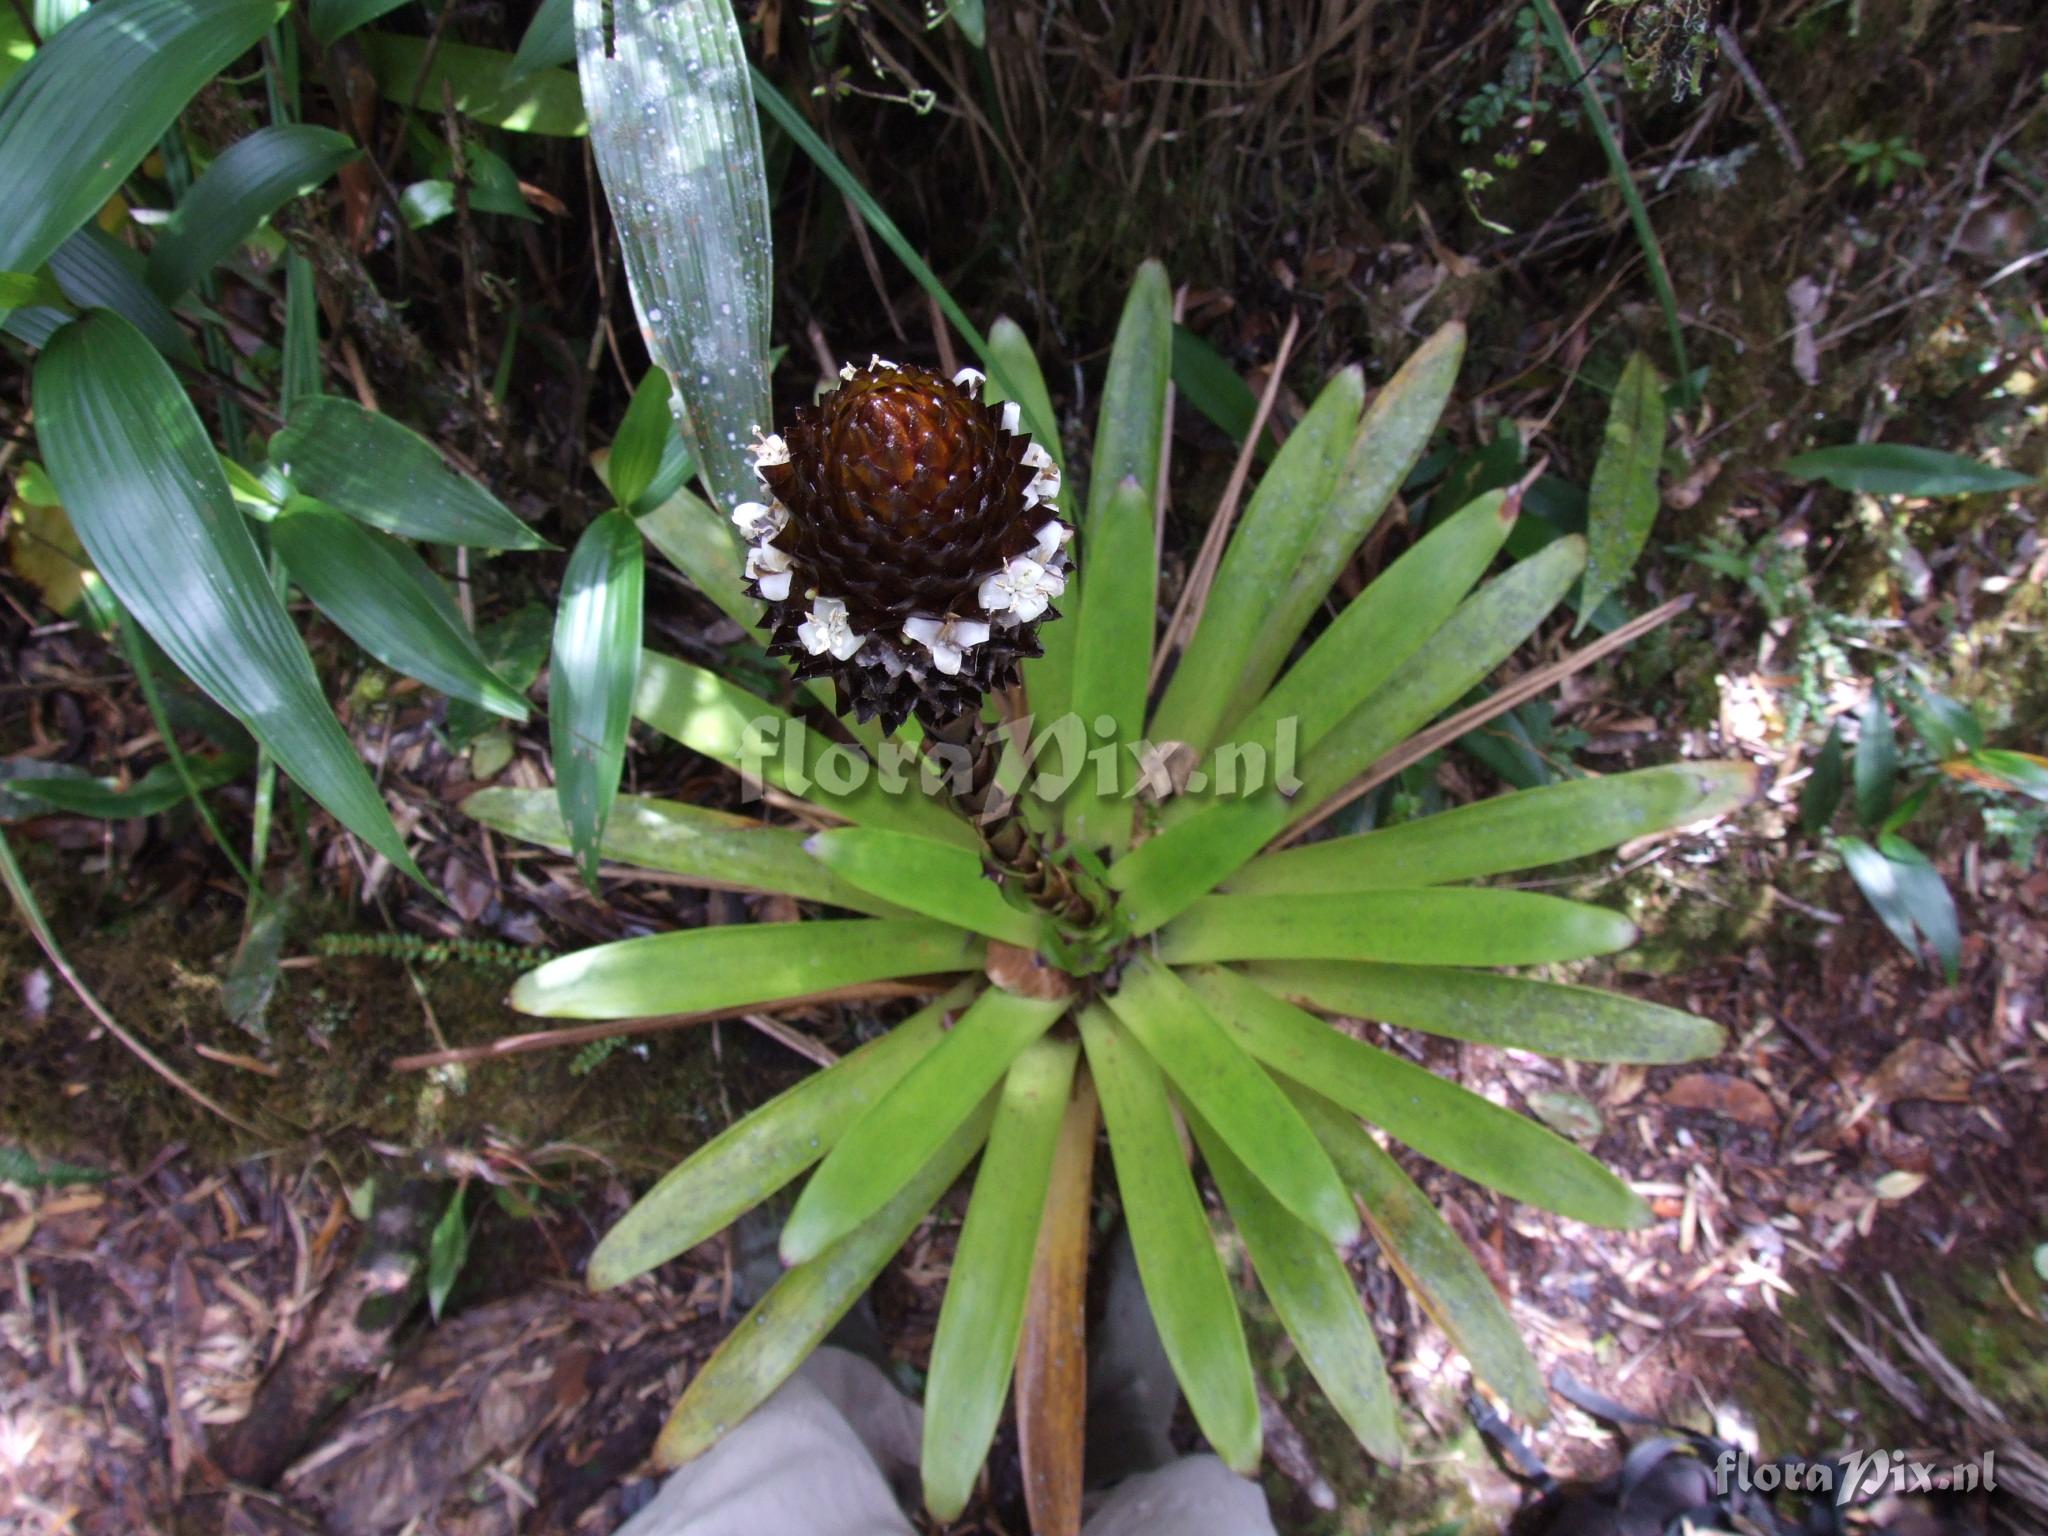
910, 546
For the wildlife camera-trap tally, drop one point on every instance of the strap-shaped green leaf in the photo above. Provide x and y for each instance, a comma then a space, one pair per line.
700, 544
1578, 1023
146, 494
95, 99
482, 82
1113, 652
1215, 1074
82, 795
1435, 1266
1526, 830
888, 1144
1313, 1293
1621, 501
385, 599
1898, 469
1432, 925
1185, 1286
1391, 438
745, 732
593, 670
333, 19
648, 462
252, 179
982, 1319
1292, 500
750, 1160
713, 849
1461, 1130
799, 1310
387, 475
935, 879
549, 40
696, 970
94, 271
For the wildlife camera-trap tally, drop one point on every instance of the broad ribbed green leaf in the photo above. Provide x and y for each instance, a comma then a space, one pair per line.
155, 792
384, 473
1621, 502
678, 146
1466, 1133
935, 879
332, 19
385, 599
1510, 832
975, 1348
747, 733
549, 40
594, 669
299, 373
648, 450
94, 271
713, 849
1128, 435
145, 492
1162, 876
1185, 1286
1435, 1266
1391, 438
697, 970
95, 99
1895, 469
482, 82
1430, 925
750, 1160
1112, 655
251, 180
1313, 1293
1291, 502
887, 1144
1581, 1023
779, 1334
1213, 1072
701, 544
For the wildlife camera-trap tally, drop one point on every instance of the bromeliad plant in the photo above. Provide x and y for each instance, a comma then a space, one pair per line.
1102, 919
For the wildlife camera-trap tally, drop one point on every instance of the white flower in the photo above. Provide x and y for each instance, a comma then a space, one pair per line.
827, 630
970, 378
768, 450
1052, 538
1045, 484
1013, 418
1023, 587
760, 519
947, 639
770, 567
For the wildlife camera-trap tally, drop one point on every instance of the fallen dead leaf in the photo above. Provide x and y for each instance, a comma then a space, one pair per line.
1026, 973
1720, 1094
14, 1235
1921, 1069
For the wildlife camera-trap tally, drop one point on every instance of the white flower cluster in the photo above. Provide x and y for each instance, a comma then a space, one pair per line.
1016, 594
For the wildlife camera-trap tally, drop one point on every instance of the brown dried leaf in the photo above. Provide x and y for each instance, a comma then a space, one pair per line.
1026, 973
1731, 1097
1921, 1069
1052, 1357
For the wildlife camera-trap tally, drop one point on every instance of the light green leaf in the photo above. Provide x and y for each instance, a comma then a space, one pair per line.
1431, 925
793, 1318
1391, 438
251, 180
1878, 879
95, 100
891, 1141
678, 146
1459, 1129
549, 40
1112, 655
25, 290
1290, 504
750, 1160
1526, 830
387, 475
1016, 368
712, 849
1893, 469
426, 203
145, 493
1431, 1261
1184, 1282
595, 669
1580, 1023
482, 81
1313, 1293
1926, 898
982, 1318
970, 18
447, 1252
700, 543
934, 879
700, 970
643, 434
385, 599
1621, 502
1213, 1073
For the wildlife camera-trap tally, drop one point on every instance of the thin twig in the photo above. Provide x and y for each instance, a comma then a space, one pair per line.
1731, 46
583, 1034
1519, 691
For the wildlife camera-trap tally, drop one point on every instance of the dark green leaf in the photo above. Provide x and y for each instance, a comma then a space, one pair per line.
299, 377
1892, 469
595, 669
96, 99
1208, 383
1877, 761
146, 494
1945, 726
481, 80
98, 272
1927, 901
549, 40
1823, 792
1878, 878
18, 1166
155, 792
1621, 502
251, 180
645, 433
2022, 772
384, 473
332, 19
